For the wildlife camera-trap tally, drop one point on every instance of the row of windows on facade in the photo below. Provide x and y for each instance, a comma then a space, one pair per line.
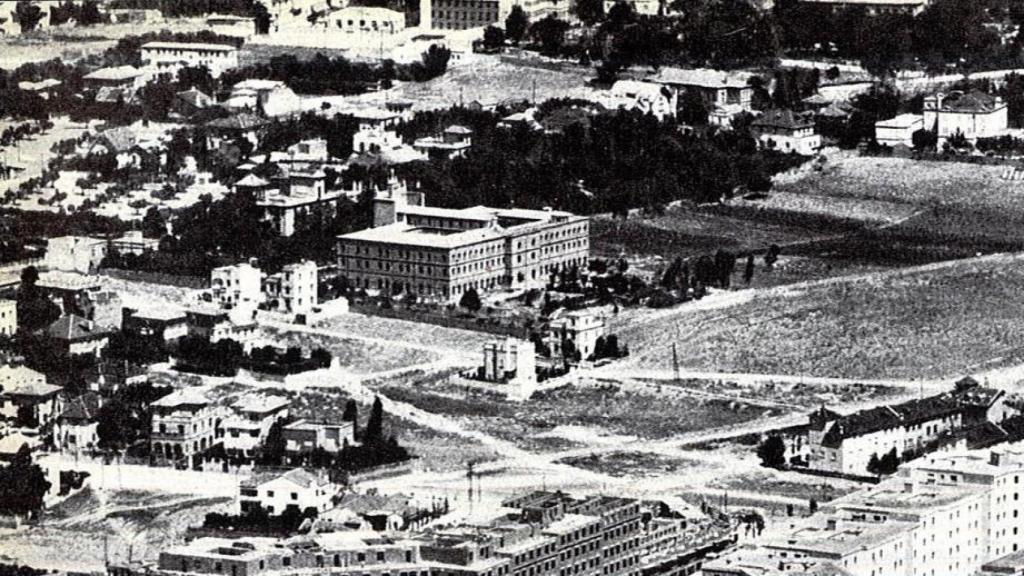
467, 16
359, 263
181, 428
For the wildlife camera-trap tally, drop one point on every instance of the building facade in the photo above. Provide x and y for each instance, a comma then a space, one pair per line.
304, 436
185, 424
898, 131
786, 131
276, 492
247, 429
973, 114
27, 400
293, 290
169, 57
464, 14
237, 286
8, 317
581, 328
441, 253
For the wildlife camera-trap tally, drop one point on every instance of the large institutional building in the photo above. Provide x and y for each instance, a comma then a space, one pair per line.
441, 253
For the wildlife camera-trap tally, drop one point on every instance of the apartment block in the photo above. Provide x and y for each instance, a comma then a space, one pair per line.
943, 514
537, 534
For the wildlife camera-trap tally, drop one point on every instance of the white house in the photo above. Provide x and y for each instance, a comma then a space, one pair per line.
237, 286
76, 428
269, 97
579, 327
276, 492
898, 131
26, 399
649, 98
294, 289
247, 429
304, 436
974, 114
74, 253
454, 142
786, 131
169, 57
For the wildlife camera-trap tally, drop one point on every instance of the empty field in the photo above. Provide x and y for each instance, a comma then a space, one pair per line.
965, 206
355, 355
595, 411
936, 321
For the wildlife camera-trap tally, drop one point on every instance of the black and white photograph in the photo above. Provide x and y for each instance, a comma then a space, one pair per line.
511, 287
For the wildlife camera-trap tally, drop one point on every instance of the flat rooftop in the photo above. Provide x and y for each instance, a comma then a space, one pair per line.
403, 234
260, 404
892, 496
197, 46
843, 538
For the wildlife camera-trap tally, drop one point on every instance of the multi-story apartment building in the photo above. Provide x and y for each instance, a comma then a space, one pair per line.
169, 57
247, 429
348, 553
293, 289
943, 514
185, 424
441, 253
537, 534
464, 14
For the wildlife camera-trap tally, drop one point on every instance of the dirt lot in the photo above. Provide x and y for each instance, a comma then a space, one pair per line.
357, 356
633, 464
74, 534
937, 321
599, 411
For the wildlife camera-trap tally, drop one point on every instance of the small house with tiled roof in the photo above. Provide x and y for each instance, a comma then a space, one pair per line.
76, 426
786, 131
242, 126
974, 114
189, 102
73, 335
26, 399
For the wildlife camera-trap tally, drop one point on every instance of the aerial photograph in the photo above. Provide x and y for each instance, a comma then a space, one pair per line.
511, 287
